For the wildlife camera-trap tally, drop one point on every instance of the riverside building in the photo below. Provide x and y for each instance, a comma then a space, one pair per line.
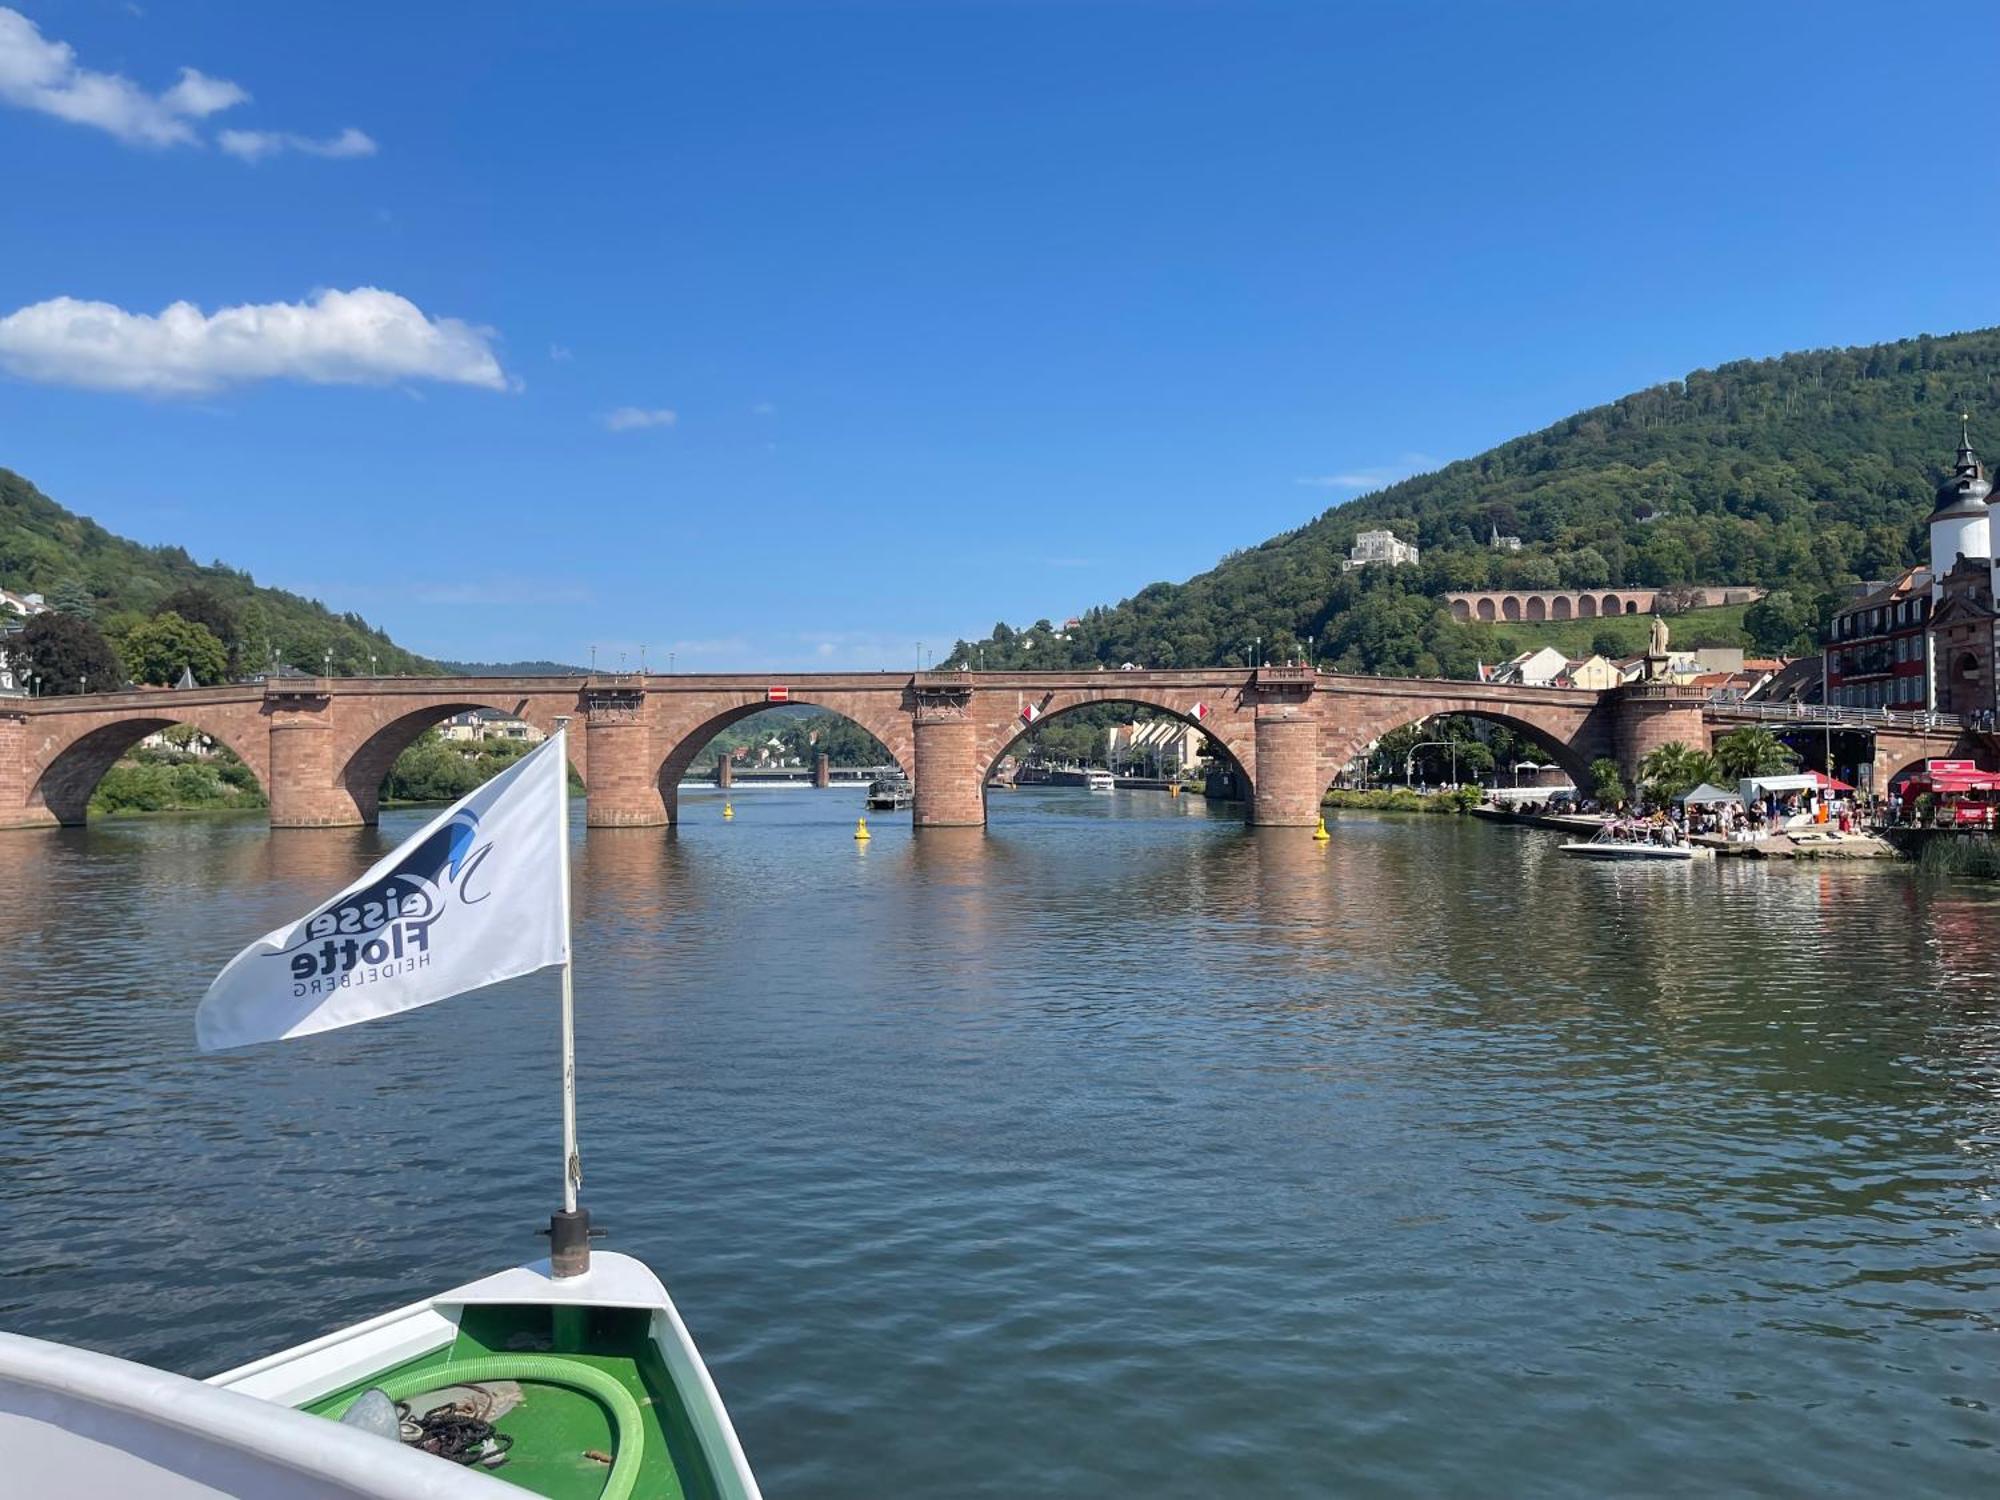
1927, 640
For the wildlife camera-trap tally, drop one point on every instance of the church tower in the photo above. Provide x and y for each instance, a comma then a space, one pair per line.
1959, 523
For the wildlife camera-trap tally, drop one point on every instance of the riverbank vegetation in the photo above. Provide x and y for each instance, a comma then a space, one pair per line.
1963, 855
181, 772
1402, 799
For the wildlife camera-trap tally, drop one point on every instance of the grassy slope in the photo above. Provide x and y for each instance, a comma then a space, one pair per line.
1698, 627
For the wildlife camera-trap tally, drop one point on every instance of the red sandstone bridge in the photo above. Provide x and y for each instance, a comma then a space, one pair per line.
321, 746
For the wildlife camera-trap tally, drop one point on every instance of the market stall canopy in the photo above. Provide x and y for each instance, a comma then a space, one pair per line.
1706, 795
1753, 787
1951, 783
1830, 783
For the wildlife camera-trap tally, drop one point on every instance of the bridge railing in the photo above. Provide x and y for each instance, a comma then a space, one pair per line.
1837, 717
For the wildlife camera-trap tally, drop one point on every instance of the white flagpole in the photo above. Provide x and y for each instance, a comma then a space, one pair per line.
572, 1163
569, 1231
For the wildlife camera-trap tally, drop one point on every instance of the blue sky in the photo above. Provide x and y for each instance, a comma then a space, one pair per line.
789, 335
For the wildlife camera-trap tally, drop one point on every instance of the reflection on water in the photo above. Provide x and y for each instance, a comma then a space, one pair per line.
1118, 1148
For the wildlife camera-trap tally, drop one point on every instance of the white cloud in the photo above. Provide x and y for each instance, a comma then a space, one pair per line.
200, 96
255, 145
635, 418
360, 337
38, 74
43, 75
562, 354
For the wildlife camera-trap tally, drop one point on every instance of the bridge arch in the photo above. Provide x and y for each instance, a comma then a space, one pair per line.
1486, 611
1224, 726
72, 768
1586, 607
1564, 734
361, 768
678, 742
1538, 608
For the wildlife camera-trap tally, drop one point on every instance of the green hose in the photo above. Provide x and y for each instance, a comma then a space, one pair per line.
543, 1369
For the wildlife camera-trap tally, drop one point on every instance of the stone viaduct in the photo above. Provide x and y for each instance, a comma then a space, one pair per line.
320, 747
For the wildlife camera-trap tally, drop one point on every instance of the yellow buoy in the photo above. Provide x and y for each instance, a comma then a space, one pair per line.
861, 830
728, 811
1173, 789
1320, 835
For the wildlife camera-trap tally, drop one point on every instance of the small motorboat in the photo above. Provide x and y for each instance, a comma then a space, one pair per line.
1611, 843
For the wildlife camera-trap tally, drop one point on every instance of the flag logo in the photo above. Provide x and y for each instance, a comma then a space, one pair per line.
1031, 713
1198, 712
478, 895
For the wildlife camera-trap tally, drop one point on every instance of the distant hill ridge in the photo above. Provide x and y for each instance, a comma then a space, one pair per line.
1801, 474
46, 549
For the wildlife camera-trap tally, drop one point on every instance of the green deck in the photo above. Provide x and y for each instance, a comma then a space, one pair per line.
553, 1426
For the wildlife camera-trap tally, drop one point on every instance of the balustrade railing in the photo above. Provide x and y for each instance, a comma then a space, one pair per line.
1838, 716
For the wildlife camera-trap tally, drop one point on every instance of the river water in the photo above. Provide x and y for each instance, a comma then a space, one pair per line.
1118, 1149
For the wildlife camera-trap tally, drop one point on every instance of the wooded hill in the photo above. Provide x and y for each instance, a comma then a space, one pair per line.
48, 550
1803, 474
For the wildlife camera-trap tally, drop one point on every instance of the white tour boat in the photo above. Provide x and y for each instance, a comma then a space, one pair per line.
1100, 781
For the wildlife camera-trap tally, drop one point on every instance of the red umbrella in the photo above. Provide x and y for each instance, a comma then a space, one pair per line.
1830, 783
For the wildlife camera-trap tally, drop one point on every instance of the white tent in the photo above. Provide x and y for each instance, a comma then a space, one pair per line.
1753, 787
1706, 795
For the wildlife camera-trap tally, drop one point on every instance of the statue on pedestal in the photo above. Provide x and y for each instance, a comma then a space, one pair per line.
1657, 659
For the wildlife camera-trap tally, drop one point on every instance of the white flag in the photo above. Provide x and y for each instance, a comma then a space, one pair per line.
479, 895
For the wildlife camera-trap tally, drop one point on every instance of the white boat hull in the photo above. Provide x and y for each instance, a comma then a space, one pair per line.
1631, 853
75, 1423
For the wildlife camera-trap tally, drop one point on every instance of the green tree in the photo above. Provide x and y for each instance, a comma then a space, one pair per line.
71, 598
159, 649
1751, 751
66, 654
1672, 769
1607, 785
1782, 624
202, 606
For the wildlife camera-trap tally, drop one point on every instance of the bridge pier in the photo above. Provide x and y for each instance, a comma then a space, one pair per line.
304, 791
1652, 714
822, 770
625, 790
1288, 786
16, 778
950, 790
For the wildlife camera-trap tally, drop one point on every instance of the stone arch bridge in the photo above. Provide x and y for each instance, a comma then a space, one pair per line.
320, 747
